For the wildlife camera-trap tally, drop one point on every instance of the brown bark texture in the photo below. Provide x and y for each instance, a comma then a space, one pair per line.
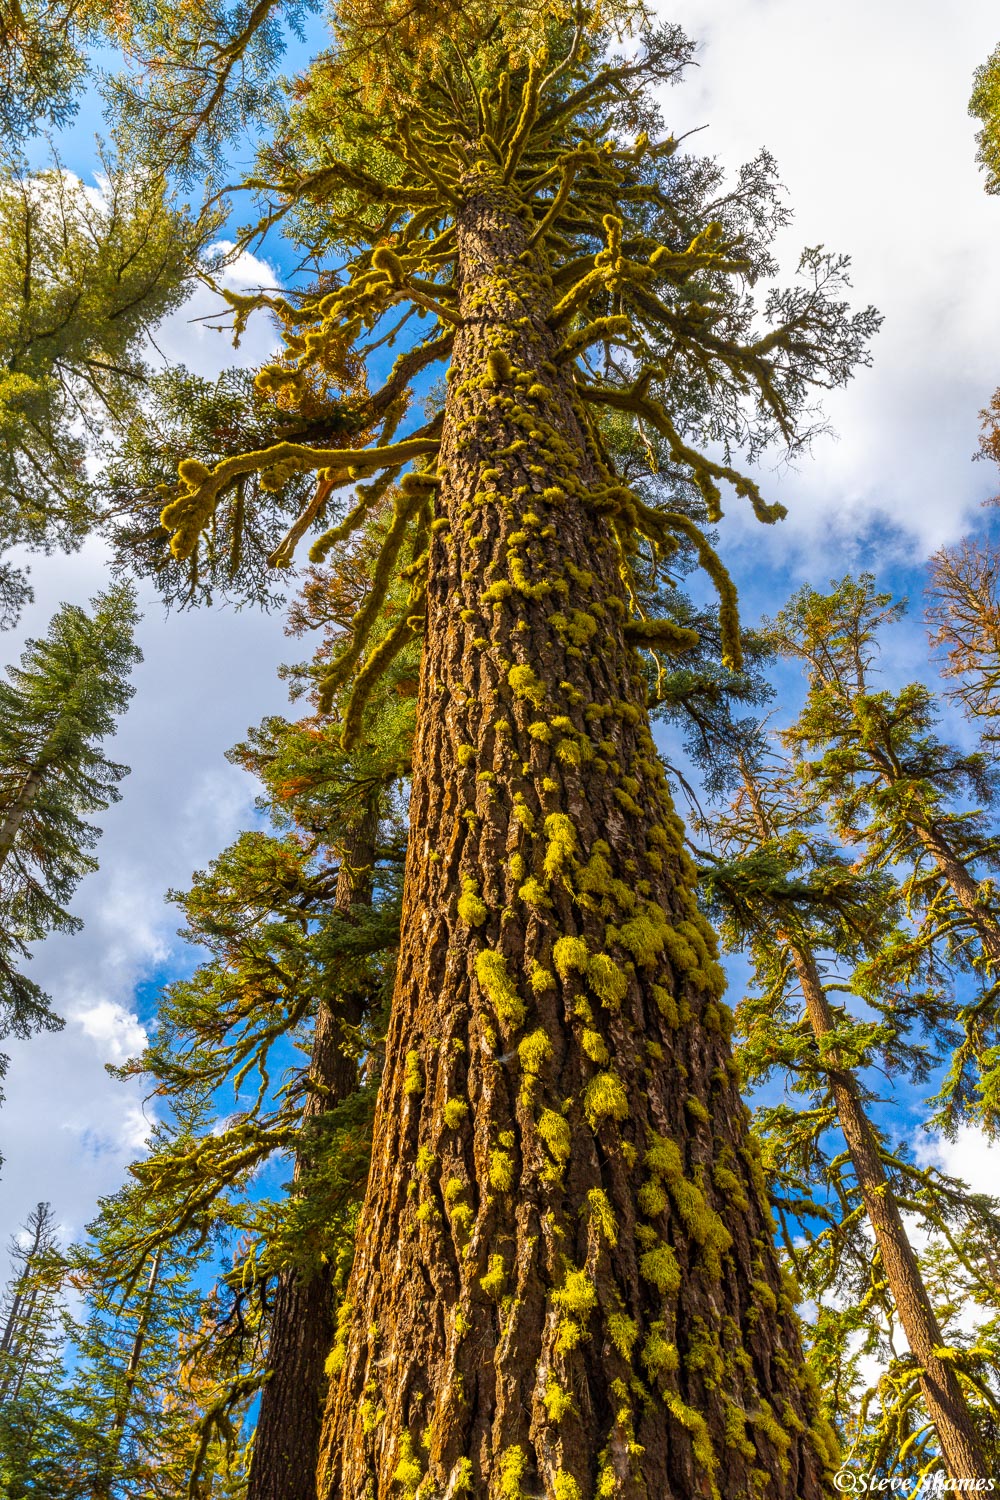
941, 1388
565, 1283
286, 1441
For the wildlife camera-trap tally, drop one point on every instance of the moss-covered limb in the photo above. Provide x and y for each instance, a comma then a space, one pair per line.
405, 369
567, 170
406, 505
406, 287
368, 497
530, 102
334, 177
383, 655
283, 554
661, 635
704, 470
612, 330
191, 512
421, 162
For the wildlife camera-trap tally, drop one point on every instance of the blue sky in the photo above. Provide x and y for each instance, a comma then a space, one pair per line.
865, 110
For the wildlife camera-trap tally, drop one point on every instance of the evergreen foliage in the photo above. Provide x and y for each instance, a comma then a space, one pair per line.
889, 786
828, 1014
985, 107
86, 271
56, 709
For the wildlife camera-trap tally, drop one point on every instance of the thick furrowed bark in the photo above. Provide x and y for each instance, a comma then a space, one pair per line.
286, 1443
564, 1282
942, 1390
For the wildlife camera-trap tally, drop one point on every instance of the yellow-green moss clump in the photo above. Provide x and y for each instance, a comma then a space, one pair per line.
455, 1111
557, 1401
700, 1220
526, 685
491, 971
601, 1215
623, 1332
495, 1279
512, 1466
413, 1078
471, 908
659, 1267
555, 1132
408, 1472
605, 1098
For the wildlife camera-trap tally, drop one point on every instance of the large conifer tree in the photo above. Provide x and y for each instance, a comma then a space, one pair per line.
551, 1288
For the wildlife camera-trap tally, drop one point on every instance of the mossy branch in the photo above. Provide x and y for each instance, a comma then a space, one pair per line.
191, 512
385, 652
530, 98
661, 635
611, 330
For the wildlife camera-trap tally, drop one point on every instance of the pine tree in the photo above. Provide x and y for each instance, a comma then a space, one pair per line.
890, 786
56, 708
824, 1013
139, 1404
31, 1370
985, 107
543, 1248
27, 1304
87, 273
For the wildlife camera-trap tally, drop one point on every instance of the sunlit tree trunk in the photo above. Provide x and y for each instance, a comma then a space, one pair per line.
565, 1282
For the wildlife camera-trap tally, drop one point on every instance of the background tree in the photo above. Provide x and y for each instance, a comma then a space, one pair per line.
87, 272
31, 1369
56, 708
964, 615
985, 107
834, 1020
889, 786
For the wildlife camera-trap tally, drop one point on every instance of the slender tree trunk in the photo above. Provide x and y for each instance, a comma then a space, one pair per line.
14, 1318
942, 1391
106, 1473
565, 1282
964, 888
286, 1443
135, 1353
14, 816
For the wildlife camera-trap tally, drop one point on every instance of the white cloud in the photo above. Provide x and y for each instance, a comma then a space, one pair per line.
971, 1157
191, 336
865, 109
116, 1032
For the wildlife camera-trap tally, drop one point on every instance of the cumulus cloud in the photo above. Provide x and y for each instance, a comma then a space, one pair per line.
865, 109
190, 336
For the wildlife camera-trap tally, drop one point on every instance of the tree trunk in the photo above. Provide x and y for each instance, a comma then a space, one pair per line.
286, 1443
565, 1281
942, 1392
14, 816
964, 888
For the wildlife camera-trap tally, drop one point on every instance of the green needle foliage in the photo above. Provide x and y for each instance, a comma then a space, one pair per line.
871, 759
86, 272
984, 106
42, 62
56, 709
